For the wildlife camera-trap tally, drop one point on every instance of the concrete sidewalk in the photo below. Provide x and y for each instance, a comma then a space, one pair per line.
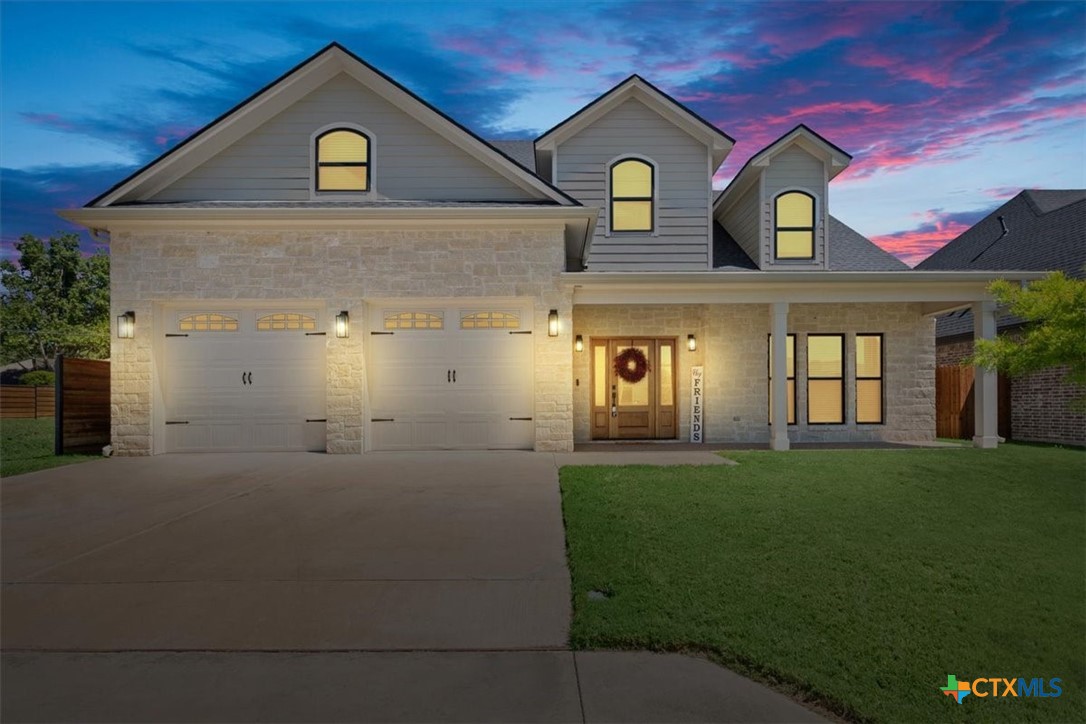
383, 687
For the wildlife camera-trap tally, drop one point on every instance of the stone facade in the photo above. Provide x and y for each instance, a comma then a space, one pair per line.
340, 269
1041, 409
733, 348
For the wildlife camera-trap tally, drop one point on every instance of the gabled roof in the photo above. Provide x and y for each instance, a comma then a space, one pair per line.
638, 88
837, 160
1037, 230
521, 151
295, 84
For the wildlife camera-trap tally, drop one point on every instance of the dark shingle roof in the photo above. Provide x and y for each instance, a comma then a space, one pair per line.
852, 251
1045, 231
523, 152
727, 254
372, 204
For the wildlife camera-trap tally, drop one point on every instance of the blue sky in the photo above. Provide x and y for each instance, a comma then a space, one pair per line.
947, 108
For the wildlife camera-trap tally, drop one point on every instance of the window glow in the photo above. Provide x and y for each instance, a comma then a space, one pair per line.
632, 196
790, 374
795, 226
825, 378
342, 161
869, 407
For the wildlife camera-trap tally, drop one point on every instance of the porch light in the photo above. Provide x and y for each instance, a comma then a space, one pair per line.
552, 323
578, 343
126, 325
691, 343
343, 325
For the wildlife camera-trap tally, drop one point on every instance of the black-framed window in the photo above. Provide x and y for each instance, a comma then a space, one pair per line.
794, 219
870, 404
790, 376
825, 379
342, 160
633, 183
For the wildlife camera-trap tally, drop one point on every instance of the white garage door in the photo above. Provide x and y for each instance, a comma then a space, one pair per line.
450, 378
236, 380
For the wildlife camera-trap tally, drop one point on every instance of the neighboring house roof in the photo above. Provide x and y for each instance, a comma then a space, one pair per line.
523, 152
281, 93
1044, 231
637, 87
838, 160
851, 251
372, 204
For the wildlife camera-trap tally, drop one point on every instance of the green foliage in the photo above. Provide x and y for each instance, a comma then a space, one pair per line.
1056, 307
38, 378
26, 445
54, 301
856, 579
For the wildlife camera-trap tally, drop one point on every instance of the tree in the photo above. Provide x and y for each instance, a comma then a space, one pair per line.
1055, 307
54, 301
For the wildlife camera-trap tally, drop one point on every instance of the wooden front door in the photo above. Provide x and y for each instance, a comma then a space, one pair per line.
641, 410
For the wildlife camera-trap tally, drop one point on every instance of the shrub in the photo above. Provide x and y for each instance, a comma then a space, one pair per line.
38, 378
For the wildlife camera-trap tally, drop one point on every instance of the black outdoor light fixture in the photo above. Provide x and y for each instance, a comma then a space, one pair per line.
691, 342
126, 325
578, 343
343, 325
552, 323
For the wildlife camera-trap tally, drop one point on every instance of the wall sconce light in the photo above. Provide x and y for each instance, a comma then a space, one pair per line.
578, 343
691, 343
343, 325
126, 325
552, 323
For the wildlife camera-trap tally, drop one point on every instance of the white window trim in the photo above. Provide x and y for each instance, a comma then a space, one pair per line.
655, 195
371, 167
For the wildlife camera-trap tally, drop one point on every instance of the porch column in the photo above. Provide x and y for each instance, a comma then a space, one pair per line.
985, 382
778, 434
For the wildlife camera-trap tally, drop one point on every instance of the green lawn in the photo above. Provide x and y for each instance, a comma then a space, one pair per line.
857, 580
27, 445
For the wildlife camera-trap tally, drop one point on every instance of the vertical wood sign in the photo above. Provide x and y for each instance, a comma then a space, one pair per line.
696, 391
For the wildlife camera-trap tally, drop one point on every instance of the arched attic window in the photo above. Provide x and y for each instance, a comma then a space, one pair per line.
343, 160
794, 214
633, 184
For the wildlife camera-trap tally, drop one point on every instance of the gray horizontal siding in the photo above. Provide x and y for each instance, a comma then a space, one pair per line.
794, 168
409, 160
741, 221
682, 240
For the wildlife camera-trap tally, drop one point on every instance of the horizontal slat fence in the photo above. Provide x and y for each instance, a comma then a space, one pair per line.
27, 401
82, 420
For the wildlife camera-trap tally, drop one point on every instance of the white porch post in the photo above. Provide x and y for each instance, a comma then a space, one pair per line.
778, 435
985, 382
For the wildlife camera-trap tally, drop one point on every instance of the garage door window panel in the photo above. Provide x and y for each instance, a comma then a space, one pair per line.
207, 322
489, 320
413, 320
286, 322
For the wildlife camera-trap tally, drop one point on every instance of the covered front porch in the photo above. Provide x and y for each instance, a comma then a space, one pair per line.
842, 358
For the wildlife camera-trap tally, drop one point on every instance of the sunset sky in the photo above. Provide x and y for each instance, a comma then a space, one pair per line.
948, 109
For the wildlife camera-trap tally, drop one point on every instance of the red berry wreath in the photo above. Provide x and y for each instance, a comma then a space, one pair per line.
632, 365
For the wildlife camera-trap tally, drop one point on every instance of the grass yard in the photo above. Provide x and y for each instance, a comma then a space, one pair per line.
27, 445
857, 580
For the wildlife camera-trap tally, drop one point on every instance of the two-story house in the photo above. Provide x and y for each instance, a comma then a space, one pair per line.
337, 265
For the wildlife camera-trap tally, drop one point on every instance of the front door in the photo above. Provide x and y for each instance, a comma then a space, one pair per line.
633, 388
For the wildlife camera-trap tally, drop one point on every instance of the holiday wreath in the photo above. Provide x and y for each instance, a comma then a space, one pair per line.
631, 365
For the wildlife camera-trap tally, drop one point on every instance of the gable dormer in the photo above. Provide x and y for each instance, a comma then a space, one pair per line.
777, 206
646, 162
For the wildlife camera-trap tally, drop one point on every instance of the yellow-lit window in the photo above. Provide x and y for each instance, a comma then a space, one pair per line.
413, 320
632, 183
343, 161
795, 222
825, 379
285, 322
869, 404
489, 320
209, 322
790, 374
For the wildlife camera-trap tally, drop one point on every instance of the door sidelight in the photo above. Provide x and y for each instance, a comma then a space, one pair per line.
614, 400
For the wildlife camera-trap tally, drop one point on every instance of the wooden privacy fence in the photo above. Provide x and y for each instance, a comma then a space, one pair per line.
954, 403
82, 419
26, 401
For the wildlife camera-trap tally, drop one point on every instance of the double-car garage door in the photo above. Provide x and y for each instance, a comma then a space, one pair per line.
438, 377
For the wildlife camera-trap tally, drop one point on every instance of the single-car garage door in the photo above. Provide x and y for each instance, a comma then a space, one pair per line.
237, 380
450, 377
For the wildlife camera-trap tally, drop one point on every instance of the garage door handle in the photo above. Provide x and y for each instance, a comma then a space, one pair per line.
243, 378
250, 378
448, 375
454, 375
520, 418
316, 419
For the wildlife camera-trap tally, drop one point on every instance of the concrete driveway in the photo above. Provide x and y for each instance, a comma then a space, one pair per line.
433, 551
